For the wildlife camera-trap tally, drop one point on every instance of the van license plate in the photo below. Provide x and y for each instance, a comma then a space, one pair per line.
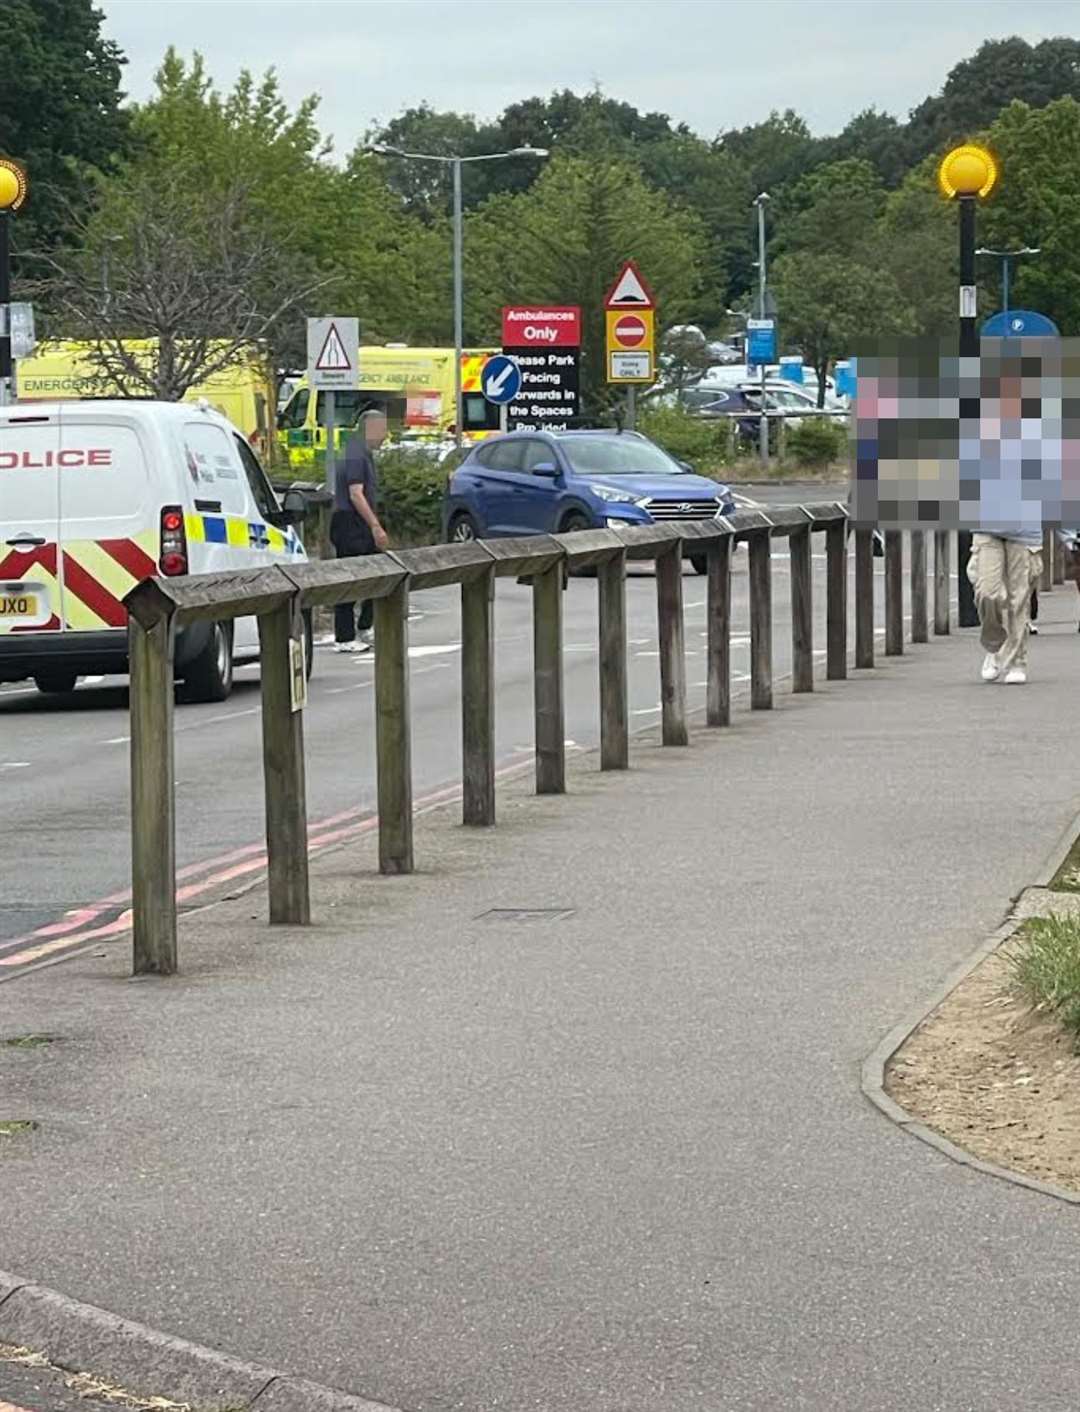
18, 605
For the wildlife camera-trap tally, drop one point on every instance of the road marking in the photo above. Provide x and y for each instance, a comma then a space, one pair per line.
646, 711
15, 765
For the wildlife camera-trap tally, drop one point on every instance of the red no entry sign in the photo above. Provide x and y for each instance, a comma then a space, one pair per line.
630, 331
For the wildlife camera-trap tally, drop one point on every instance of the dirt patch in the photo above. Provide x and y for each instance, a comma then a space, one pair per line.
995, 1077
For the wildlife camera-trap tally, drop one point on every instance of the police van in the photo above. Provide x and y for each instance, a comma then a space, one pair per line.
96, 496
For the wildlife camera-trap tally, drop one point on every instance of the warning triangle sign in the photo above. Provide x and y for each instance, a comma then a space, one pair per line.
630, 290
333, 358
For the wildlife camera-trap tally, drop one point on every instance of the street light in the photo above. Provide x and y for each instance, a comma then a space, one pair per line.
966, 173
760, 202
1005, 256
13, 189
383, 149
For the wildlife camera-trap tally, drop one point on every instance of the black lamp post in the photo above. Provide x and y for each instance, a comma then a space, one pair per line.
13, 188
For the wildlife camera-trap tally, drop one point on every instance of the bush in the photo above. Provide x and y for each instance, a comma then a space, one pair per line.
703, 444
411, 487
1046, 965
816, 443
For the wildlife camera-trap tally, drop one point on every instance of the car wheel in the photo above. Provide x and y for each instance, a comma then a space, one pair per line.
463, 529
700, 563
210, 676
55, 683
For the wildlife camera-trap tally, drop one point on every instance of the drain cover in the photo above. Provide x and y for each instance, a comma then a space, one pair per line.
526, 914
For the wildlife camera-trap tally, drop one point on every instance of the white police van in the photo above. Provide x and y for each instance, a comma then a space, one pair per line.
96, 496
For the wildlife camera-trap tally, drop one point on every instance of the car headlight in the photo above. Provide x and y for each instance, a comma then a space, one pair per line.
613, 497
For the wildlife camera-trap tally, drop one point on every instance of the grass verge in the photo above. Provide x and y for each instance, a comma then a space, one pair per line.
1045, 962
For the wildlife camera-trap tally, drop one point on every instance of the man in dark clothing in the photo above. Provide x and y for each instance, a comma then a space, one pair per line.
355, 527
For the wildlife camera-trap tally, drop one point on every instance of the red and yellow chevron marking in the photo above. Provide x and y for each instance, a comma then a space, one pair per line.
97, 575
41, 564
472, 365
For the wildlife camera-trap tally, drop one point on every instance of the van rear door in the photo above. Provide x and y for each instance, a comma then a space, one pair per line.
109, 523
30, 595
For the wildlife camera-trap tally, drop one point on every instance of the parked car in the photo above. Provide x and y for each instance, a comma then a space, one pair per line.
557, 482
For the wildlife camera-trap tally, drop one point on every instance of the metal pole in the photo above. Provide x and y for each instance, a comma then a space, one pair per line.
459, 336
764, 426
631, 407
331, 437
1005, 291
6, 391
967, 615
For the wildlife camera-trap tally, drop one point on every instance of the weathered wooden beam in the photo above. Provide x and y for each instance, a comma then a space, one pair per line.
894, 593
718, 636
669, 616
153, 802
478, 698
548, 680
942, 584
836, 600
284, 781
584, 549
525, 556
437, 565
760, 554
802, 611
614, 695
920, 630
864, 598
325, 582
393, 738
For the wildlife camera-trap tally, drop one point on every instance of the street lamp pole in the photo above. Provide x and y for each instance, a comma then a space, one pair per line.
13, 188
763, 433
456, 162
1006, 257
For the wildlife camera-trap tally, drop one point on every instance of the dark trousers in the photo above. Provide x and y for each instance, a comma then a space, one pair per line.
350, 536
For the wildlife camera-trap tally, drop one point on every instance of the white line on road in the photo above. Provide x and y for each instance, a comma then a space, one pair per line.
15, 765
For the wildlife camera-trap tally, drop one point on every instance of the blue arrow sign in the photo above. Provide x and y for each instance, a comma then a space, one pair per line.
500, 380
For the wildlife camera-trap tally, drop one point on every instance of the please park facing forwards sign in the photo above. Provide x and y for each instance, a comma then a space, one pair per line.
544, 341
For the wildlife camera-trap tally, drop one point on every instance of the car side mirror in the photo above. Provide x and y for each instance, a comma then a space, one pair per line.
546, 468
686, 465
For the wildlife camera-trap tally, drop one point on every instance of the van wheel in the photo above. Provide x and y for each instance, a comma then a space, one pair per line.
55, 683
210, 676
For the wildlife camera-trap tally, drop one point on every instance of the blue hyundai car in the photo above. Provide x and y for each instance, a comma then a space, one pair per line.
556, 481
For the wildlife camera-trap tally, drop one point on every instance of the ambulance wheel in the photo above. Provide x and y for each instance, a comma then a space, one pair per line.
55, 683
210, 676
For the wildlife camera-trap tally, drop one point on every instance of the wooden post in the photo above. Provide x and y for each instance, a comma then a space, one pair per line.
614, 696
894, 593
836, 601
548, 680
283, 768
478, 699
760, 553
920, 631
1059, 557
941, 582
153, 804
669, 616
393, 745
802, 611
864, 598
718, 642
1046, 582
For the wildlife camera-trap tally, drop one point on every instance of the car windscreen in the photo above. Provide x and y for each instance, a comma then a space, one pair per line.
617, 456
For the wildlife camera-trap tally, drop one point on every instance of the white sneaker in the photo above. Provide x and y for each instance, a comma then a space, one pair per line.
351, 647
1015, 676
366, 636
990, 670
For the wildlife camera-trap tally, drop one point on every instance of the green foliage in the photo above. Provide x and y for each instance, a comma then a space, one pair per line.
1045, 962
411, 489
59, 109
816, 443
701, 443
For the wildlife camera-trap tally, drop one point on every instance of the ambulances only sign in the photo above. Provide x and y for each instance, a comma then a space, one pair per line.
545, 341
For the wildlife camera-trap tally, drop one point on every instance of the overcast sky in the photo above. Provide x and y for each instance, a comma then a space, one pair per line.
711, 63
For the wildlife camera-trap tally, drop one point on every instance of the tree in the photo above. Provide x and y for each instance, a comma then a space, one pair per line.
774, 152
832, 209
565, 240
59, 107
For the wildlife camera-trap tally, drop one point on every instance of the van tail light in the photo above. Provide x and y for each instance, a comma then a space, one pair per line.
173, 541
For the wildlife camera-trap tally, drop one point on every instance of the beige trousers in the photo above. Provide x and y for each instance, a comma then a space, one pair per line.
1003, 573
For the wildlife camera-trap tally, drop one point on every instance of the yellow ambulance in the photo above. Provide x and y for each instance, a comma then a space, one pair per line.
413, 386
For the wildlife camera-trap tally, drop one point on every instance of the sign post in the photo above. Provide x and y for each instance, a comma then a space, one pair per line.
630, 334
543, 341
333, 362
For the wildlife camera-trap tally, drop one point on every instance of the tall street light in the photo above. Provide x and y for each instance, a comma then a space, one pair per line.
1005, 256
967, 173
13, 189
383, 150
760, 202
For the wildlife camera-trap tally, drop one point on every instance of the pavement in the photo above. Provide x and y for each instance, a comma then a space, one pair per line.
571, 1118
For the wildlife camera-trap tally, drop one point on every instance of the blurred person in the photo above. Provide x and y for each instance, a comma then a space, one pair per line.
355, 528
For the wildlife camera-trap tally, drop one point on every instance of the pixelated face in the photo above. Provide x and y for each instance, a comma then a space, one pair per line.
990, 443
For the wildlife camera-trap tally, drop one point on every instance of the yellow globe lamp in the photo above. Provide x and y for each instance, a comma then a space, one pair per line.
967, 171
13, 185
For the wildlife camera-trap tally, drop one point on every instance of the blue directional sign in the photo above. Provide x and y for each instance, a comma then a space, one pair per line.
1019, 323
500, 380
760, 341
